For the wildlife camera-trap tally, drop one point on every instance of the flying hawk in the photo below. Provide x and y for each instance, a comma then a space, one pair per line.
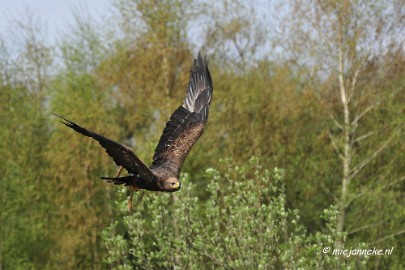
183, 129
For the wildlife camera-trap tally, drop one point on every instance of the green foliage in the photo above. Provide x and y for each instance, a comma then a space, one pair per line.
124, 76
242, 224
81, 205
23, 230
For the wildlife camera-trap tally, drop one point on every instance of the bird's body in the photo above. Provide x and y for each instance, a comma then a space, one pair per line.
183, 129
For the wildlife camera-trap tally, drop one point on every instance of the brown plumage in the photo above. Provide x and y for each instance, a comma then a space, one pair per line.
183, 129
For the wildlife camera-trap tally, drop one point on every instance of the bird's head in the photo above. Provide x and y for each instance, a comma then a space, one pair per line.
171, 184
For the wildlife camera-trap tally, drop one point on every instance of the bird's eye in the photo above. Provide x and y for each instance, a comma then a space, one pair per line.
172, 183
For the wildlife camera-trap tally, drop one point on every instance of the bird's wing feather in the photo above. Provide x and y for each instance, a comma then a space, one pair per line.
122, 155
187, 123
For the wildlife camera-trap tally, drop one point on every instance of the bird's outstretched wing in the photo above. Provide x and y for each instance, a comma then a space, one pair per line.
122, 155
187, 123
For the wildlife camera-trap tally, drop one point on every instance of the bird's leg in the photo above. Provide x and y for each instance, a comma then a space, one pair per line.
131, 195
132, 189
118, 172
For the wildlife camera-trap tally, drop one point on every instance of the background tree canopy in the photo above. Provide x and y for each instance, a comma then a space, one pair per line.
307, 120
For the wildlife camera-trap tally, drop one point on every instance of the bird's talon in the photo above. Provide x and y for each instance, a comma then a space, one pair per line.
131, 195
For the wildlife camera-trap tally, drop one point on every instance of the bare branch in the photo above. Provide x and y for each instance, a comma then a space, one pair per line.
388, 237
356, 74
335, 146
366, 227
372, 106
373, 187
353, 82
366, 110
328, 192
343, 96
373, 132
364, 136
335, 121
372, 156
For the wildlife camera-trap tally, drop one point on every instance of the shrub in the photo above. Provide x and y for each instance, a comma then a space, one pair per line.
242, 223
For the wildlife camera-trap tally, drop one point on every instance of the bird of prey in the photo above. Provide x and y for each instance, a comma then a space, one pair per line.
185, 126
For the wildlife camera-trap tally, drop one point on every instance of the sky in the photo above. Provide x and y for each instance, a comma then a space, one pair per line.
54, 14
56, 17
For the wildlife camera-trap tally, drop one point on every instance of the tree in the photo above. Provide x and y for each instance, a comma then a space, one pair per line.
233, 32
334, 43
24, 133
82, 202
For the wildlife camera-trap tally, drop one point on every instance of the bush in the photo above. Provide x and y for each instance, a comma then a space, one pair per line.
242, 223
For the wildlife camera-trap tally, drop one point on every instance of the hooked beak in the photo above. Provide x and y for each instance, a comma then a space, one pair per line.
172, 184
176, 186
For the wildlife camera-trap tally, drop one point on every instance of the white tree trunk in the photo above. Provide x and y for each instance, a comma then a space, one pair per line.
347, 151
